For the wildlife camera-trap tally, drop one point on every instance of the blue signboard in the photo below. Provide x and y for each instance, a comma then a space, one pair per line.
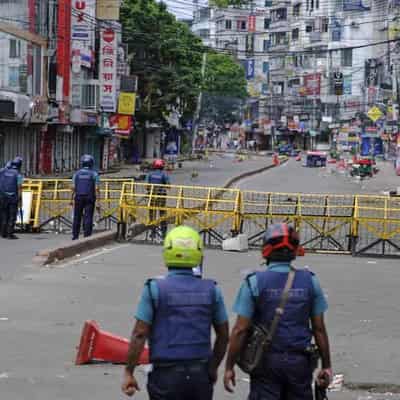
336, 29
250, 67
354, 5
347, 83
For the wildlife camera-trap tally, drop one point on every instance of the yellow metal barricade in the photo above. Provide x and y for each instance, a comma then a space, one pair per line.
210, 210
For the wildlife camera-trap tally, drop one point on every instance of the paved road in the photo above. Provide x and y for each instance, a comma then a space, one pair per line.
41, 315
292, 177
16, 255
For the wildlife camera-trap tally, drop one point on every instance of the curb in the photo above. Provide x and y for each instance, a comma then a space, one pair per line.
70, 249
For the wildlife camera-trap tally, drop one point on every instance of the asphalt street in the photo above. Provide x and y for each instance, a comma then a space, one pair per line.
42, 314
292, 177
42, 310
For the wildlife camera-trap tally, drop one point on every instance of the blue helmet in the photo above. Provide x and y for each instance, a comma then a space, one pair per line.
17, 163
87, 161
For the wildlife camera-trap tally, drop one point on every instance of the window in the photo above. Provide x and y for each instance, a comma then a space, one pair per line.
296, 10
309, 27
295, 34
228, 24
241, 25
267, 23
268, 3
265, 67
266, 45
316, 4
325, 24
15, 48
308, 5
347, 57
279, 15
13, 77
204, 33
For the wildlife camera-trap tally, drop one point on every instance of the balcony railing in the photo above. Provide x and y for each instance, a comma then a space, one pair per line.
91, 95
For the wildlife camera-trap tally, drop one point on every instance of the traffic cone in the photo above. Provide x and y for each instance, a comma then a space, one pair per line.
98, 345
276, 160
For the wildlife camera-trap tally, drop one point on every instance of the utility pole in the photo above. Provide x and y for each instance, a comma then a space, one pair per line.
199, 101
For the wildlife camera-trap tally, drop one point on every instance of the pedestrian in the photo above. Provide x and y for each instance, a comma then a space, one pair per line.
158, 193
285, 371
10, 197
86, 189
176, 315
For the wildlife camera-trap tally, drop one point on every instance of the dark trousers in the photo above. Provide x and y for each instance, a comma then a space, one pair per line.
159, 202
83, 207
8, 215
186, 381
285, 376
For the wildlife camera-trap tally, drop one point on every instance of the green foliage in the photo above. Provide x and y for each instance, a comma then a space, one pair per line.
224, 89
165, 55
167, 58
226, 3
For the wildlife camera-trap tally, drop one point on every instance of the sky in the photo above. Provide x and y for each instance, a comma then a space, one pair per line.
182, 8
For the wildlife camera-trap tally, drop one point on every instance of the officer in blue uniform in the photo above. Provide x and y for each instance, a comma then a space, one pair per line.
10, 197
286, 370
85, 188
160, 179
176, 315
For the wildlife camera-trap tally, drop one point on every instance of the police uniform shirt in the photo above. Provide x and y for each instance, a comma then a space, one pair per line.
95, 174
145, 310
244, 303
20, 181
165, 178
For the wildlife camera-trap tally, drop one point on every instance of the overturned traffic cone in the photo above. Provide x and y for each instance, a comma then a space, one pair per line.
98, 345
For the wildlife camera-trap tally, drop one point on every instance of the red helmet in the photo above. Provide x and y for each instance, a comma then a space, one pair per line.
158, 164
281, 237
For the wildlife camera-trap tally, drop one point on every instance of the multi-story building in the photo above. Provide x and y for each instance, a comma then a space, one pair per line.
301, 46
61, 63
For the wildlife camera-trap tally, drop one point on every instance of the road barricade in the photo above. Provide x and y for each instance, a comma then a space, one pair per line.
51, 205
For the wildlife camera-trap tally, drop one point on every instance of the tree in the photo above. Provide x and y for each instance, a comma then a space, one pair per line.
226, 3
165, 55
224, 89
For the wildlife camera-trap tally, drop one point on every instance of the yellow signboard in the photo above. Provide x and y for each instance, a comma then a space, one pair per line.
127, 103
375, 113
108, 9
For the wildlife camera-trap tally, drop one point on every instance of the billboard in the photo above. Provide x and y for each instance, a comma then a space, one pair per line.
108, 9
250, 69
108, 69
312, 84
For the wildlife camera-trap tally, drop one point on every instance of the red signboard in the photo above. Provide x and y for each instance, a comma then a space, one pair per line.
252, 23
312, 84
64, 46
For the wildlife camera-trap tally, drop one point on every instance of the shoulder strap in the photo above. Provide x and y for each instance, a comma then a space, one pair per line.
281, 308
250, 288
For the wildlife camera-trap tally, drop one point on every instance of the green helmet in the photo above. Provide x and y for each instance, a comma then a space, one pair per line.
183, 248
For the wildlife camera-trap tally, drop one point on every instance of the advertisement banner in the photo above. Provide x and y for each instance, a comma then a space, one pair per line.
347, 84
250, 69
252, 23
312, 83
108, 9
108, 69
127, 103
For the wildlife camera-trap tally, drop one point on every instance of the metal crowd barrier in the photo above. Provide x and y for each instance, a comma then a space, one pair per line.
51, 207
330, 223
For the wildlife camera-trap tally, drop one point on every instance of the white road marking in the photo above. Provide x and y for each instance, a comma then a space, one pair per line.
82, 260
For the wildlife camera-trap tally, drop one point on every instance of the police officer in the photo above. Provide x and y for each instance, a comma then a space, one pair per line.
286, 370
85, 188
176, 315
10, 197
160, 179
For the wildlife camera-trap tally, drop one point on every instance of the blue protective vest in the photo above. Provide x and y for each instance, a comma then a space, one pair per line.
293, 332
183, 318
158, 178
9, 182
85, 183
